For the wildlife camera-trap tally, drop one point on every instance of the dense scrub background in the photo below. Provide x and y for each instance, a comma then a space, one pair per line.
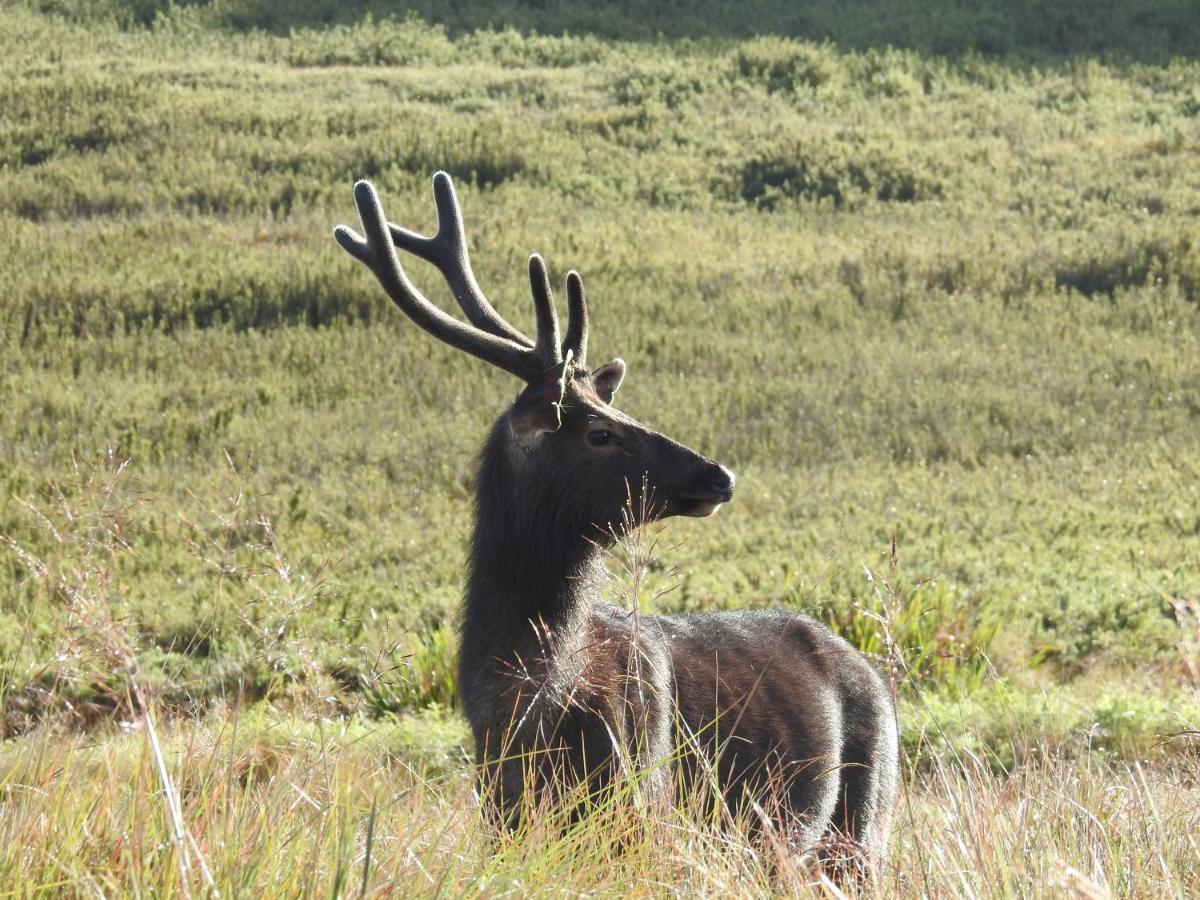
925, 277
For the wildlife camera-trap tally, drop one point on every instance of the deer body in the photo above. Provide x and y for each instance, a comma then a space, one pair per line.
800, 723
564, 689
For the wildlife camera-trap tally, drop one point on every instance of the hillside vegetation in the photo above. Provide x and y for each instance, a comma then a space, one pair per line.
936, 306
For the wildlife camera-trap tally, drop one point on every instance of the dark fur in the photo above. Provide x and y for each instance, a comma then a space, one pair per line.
794, 718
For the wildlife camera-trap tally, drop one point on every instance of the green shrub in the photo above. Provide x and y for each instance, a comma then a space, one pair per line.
779, 64
371, 43
845, 169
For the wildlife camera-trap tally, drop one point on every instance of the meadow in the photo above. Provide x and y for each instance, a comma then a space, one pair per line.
931, 292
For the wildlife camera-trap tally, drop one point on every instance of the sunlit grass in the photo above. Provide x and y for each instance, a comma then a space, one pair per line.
280, 806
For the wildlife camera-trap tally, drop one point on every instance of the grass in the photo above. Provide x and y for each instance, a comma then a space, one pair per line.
935, 302
281, 807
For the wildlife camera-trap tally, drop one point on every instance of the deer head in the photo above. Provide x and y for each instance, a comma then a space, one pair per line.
562, 446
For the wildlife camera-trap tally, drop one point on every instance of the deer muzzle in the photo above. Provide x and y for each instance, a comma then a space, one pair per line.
711, 487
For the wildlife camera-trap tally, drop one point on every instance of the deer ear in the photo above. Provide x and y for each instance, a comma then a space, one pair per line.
608, 378
538, 409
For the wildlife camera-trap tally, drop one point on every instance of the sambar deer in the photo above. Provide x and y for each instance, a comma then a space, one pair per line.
560, 688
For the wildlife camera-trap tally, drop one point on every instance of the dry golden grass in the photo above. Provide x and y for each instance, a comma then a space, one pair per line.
276, 806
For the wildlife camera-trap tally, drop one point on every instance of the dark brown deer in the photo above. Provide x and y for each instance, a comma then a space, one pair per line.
563, 689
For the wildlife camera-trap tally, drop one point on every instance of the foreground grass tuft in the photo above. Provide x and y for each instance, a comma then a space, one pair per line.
283, 807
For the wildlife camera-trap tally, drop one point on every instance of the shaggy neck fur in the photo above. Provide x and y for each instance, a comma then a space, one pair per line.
531, 562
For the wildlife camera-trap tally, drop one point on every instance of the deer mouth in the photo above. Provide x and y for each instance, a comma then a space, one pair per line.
696, 508
702, 505
713, 487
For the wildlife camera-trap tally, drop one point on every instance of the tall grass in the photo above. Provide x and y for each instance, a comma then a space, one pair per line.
282, 809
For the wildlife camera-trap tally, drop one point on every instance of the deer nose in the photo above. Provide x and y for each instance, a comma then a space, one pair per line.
721, 480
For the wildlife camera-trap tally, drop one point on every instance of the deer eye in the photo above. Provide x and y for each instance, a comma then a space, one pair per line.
601, 438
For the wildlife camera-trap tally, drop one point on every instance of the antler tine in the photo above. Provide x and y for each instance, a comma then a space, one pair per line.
546, 349
447, 250
378, 253
577, 320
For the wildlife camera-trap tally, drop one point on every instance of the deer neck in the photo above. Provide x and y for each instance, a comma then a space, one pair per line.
534, 572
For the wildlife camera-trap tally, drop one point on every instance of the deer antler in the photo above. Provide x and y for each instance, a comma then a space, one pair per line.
447, 250
489, 336
577, 320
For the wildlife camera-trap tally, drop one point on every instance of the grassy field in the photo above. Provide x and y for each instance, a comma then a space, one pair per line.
937, 306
